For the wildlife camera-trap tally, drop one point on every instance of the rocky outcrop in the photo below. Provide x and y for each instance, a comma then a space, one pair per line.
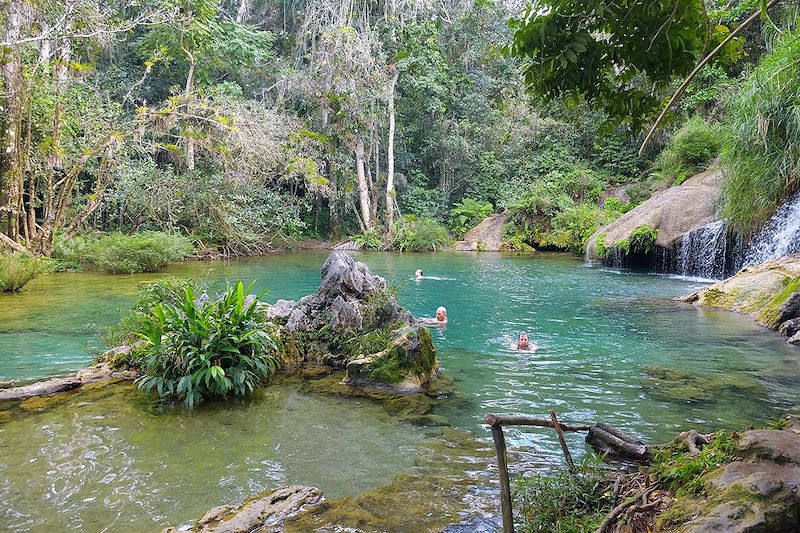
673, 213
485, 237
770, 292
266, 513
756, 493
354, 323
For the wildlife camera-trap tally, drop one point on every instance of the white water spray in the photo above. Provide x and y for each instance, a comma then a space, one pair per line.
780, 236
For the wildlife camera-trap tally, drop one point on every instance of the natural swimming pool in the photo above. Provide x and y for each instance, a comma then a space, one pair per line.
106, 461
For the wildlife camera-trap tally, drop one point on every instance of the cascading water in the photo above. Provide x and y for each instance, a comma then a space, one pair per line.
780, 235
702, 252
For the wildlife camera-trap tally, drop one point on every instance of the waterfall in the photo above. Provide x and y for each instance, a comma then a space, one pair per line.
702, 252
780, 235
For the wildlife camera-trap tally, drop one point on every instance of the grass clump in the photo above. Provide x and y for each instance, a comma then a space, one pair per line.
565, 502
118, 253
16, 270
689, 151
205, 347
419, 235
684, 473
642, 239
369, 240
761, 161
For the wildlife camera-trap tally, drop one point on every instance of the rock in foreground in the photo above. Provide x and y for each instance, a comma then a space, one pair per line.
354, 323
265, 513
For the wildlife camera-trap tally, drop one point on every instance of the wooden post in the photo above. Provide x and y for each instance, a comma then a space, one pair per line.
505, 485
563, 442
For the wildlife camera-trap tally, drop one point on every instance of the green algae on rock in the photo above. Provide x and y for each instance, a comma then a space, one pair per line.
674, 385
761, 291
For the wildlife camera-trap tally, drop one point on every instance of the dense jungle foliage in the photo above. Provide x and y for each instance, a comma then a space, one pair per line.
247, 125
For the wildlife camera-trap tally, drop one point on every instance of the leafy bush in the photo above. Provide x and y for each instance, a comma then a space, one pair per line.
571, 228
761, 160
642, 239
419, 235
468, 213
117, 253
169, 291
565, 502
16, 270
369, 240
203, 347
688, 152
683, 472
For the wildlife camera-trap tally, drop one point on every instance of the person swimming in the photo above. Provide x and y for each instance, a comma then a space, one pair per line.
524, 343
440, 320
418, 274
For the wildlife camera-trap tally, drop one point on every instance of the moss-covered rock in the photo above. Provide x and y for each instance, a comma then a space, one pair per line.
763, 291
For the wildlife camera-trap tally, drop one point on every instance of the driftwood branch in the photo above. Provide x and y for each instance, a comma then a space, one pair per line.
621, 508
500, 420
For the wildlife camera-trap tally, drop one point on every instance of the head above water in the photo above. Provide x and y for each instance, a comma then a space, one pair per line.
523, 341
441, 314
418, 274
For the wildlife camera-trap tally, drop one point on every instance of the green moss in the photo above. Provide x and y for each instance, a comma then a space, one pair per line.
770, 314
400, 362
717, 298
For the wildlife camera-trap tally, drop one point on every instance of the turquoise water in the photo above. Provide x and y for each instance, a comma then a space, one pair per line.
107, 461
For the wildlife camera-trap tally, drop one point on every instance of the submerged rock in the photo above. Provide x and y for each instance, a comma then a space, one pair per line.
354, 323
265, 513
674, 385
767, 292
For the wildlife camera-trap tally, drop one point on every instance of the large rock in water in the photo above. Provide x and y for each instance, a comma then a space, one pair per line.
354, 323
767, 291
674, 212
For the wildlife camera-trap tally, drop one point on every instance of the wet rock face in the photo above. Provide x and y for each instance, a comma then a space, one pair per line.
353, 322
265, 513
758, 493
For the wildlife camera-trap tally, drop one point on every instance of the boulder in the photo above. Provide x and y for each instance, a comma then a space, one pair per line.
758, 492
790, 327
485, 237
406, 365
764, 291
266, 513
354, 323
674, 212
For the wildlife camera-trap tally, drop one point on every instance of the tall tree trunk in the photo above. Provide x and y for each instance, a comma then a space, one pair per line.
11, 183
243, 12
390, 192
363, 186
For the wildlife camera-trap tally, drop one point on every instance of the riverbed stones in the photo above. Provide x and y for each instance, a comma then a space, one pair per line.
790, 328
265, 513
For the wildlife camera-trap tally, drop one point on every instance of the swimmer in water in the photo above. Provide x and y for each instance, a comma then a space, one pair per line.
524, 343
418, 274
440, 320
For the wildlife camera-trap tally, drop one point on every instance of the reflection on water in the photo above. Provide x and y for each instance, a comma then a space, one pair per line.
108, 463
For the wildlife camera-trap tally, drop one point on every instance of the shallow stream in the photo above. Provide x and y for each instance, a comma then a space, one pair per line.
103, 461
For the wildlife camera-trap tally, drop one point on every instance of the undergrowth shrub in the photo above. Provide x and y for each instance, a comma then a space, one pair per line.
419, 235
16, 270
468, 213
118, 253
565, 502
203, 347
688, 152
369, 240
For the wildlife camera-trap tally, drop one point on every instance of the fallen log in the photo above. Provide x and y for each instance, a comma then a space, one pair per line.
40, 388
605, 439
